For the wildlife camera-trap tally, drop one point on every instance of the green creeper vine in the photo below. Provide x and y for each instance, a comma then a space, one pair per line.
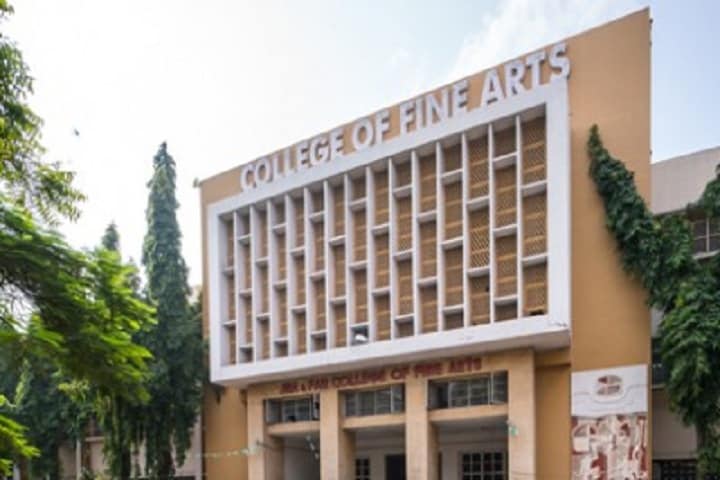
658, 252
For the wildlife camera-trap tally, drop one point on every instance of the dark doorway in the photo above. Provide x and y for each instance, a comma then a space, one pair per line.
395, 467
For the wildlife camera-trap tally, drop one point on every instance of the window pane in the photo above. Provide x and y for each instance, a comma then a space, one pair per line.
480, 391
303, 409
487, 462
367, 403
288, 411
700, 245
699, 228
499, 387
272, 411
441, 395
362, 469
398, 398
714, 226
382, 401
458, 394
315, 402
350, 404
714, 242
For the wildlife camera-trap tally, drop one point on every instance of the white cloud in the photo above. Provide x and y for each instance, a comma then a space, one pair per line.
519, 26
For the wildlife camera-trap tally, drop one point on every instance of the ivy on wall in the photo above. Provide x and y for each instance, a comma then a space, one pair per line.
658, 251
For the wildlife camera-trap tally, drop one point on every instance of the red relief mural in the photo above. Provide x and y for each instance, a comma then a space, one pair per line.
613, 447
610, 424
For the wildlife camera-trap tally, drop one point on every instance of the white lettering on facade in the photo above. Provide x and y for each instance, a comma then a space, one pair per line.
412, 115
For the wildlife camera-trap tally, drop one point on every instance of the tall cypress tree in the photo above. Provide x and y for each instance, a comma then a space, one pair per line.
175, 341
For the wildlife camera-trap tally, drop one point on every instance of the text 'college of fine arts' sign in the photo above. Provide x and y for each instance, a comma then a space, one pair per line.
412, 115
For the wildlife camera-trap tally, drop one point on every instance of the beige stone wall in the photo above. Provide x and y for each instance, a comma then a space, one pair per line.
681, 180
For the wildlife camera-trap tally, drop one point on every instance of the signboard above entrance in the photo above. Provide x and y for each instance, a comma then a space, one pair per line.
383, 375
450, 101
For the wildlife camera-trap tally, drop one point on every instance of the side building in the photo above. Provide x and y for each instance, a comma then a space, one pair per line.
430, 292
676, 182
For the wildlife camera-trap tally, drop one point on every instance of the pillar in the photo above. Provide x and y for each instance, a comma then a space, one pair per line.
337, 446
265, 453
421, 449
521, 416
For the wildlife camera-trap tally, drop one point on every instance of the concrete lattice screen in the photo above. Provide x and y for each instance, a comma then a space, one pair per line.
452, 235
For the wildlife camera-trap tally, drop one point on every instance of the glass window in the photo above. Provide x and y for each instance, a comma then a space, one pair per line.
483, 466
481, 390
291, 410
375, 402
706, 235
362, 469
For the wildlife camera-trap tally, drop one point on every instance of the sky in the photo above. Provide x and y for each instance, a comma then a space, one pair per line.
225, 81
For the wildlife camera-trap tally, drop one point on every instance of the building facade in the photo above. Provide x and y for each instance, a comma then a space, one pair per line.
430, 292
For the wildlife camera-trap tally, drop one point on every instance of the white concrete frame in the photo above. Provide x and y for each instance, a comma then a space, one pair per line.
541, 332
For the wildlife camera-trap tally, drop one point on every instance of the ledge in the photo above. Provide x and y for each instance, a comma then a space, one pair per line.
294, 428
463, 414
540, 332
373, 421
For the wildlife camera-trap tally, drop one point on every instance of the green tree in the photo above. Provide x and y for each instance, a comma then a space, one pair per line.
56, 408
111, 238
659, 252
175, 341
120, 418
50, 415
50, 307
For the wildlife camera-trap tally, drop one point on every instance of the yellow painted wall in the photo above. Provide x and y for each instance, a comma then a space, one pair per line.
224, 433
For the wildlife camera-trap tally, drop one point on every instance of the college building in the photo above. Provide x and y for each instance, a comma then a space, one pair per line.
675, 183
430, 292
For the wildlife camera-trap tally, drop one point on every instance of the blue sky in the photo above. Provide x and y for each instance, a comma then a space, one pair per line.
224, 81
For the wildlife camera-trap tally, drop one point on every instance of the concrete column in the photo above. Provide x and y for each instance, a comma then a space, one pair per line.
521, 416
265, 460
421, 449
337, 446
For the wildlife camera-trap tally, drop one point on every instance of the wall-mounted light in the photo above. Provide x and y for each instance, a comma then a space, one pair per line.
513, 429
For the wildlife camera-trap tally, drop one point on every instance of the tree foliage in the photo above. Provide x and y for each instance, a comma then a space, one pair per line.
58, 391
50, 415
118, 415
65, 309
37, 185
658, 251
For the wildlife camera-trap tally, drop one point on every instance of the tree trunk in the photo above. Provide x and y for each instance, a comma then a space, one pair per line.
166, 467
